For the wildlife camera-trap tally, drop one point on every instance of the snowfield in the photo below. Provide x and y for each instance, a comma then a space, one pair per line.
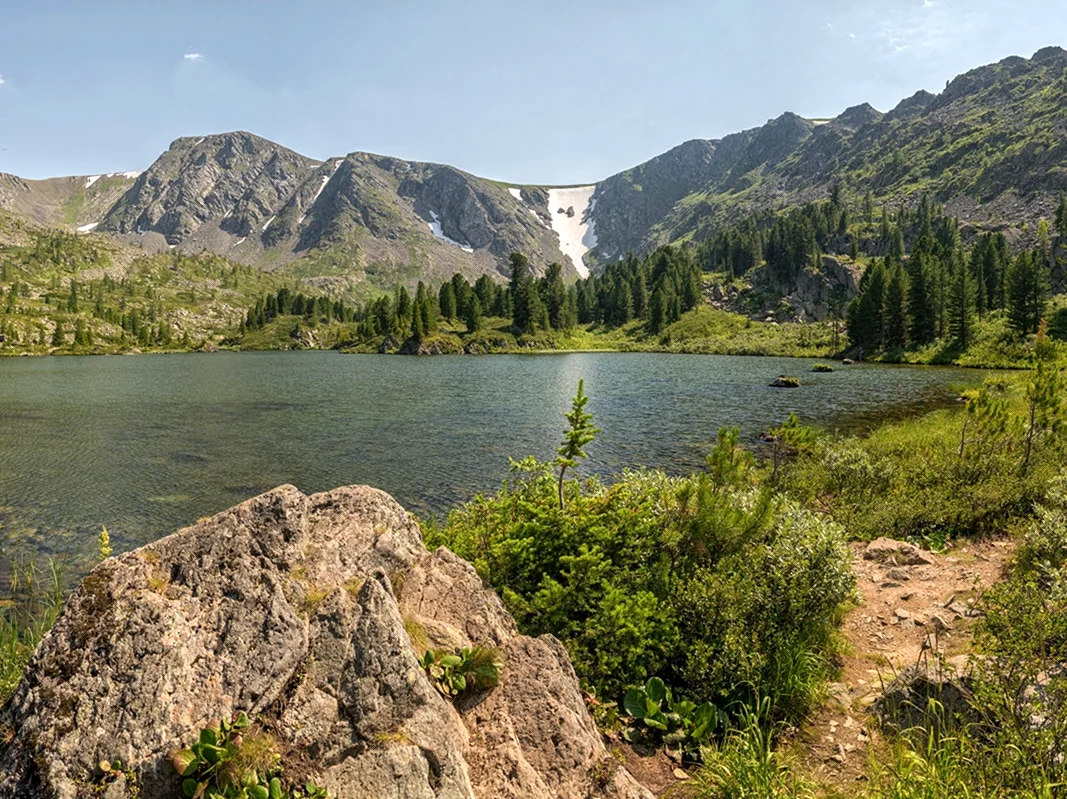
577, 234
87, 228
89, 181
438, 232
516, 193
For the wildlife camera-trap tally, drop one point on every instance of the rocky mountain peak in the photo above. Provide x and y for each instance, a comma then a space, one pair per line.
857, 116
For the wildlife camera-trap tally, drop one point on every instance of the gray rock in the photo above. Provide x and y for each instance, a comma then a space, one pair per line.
284, 606
906, 702
895, 553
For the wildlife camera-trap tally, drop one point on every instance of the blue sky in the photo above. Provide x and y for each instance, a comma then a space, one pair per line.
538, 92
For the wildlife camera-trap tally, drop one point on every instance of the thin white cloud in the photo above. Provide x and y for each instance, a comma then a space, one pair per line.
852, 36
193, 57
1, 80
928, 3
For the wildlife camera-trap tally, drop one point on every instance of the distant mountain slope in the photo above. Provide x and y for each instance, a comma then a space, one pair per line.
992, 148
73, 202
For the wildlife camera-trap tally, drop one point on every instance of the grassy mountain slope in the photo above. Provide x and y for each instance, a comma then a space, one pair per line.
992, 147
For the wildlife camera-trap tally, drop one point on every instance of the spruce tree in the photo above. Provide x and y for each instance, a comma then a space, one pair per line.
894, 310
580, 433
555, 295
1026, 293
961, 308
922, 320
473, 317
447, 300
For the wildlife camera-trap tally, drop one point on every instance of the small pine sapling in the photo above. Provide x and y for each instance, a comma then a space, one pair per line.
580, 433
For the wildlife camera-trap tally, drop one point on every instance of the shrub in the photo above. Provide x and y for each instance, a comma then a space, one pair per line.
467, 669
682, 726
234, 760
717, 588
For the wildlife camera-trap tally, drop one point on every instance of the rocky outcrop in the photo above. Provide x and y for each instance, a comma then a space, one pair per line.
308, 612
891, 552
930, 695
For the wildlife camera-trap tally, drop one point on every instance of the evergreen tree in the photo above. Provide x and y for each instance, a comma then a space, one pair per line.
1026, 293
580, 433
961, 310
657, 319
894, 309
1061, 218
473, 317
447, 300
864, 316
922, 315
555, 295
526, 305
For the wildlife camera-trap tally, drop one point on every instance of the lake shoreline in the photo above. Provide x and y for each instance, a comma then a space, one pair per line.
837, 361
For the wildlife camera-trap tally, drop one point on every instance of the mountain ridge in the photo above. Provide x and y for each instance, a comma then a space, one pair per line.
992, 147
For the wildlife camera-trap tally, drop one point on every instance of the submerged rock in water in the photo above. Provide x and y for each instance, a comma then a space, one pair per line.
785, 381
308, 612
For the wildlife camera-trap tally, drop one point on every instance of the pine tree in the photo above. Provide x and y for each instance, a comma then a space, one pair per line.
447, 300
657, 319
961, 309
894, 310
1061, 217
1046, 406
1026, 293
555, 295
473, 317
922, 321
580, 433
526, 305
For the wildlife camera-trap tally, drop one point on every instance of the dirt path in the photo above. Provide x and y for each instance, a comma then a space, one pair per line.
905, 612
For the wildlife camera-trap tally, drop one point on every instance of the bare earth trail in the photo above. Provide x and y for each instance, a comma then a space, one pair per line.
906, 612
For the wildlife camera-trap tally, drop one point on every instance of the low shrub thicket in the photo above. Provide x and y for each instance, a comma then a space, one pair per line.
721, 589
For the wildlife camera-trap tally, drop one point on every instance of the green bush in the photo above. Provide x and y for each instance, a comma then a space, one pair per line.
682, 726
718, 588
234, 760
454, 673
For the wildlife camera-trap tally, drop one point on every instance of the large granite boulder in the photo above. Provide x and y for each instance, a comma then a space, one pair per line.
309, 613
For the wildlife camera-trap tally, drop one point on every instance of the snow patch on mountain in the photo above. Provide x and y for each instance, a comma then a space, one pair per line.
516, 193
572, 220
89, 227
89, 181
267, 224
438, 232
325, 179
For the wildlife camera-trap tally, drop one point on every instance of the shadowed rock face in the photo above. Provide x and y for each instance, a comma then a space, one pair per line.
296, 608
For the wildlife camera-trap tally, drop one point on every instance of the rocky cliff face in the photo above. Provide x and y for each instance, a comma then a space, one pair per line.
300, 611
257, 202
